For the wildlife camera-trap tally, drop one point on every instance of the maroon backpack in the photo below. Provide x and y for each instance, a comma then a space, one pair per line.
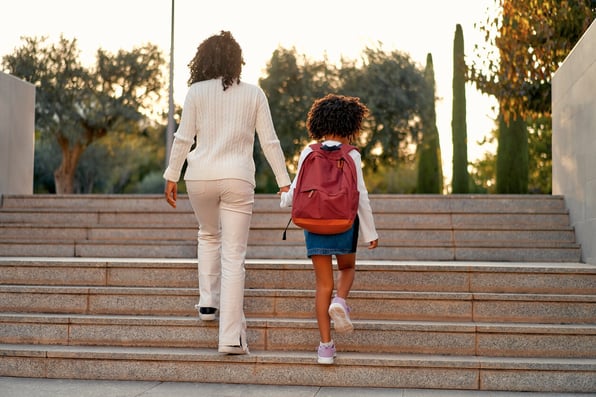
326, 194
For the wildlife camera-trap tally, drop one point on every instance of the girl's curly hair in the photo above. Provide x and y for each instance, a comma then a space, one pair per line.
337, 115
217, 56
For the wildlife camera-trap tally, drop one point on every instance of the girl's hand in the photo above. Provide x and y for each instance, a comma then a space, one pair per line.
373, 244
171, 193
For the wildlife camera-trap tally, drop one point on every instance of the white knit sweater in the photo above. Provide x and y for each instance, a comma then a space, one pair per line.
224, 124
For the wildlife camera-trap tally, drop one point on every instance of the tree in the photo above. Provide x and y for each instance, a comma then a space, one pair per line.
459, 131
46, 160
292, 82
540, 156
395, 90
118, 162
390, 84
539, 161
512, 156
75, 105
430, 173
526, 44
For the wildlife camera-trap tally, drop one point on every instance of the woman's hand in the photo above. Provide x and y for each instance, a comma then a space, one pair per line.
171, 193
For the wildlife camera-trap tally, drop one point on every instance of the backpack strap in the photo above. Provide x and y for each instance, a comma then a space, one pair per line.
283, 236
346, 148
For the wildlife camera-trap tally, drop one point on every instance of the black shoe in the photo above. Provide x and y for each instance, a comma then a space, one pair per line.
207, 313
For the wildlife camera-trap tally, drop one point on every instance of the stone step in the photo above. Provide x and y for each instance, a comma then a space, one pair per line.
278, 221
472, 277
283, 334
477, 292
351, 369
386, 305
404, 252
416, 203
562, 236
91, 225
419, 227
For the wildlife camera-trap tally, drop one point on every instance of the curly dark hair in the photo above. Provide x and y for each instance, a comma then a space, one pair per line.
217, 56
336, 115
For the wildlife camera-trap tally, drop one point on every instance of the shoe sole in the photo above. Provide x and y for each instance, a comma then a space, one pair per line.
235, 350
325, 360
341, 321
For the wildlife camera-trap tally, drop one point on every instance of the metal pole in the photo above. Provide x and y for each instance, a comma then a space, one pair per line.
171, 125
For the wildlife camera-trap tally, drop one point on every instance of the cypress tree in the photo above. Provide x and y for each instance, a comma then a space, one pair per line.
430, 172
460, 182
512, 156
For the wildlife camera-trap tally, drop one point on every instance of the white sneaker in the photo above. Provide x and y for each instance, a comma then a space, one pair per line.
340, 314
326, 354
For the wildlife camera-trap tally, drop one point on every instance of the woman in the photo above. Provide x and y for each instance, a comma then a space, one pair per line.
222, 114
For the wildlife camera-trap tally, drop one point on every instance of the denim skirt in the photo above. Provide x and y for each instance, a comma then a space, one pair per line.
332, 244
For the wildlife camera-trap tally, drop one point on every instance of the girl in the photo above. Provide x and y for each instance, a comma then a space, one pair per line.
335, 120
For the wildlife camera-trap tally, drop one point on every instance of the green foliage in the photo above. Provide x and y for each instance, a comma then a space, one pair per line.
390, 84
97, 131
151, 183
395, 90
392, 180
430, 172
46, 160
483, 171
460, 179
117, 163
291, 84
76, 106
525, 45
540, 156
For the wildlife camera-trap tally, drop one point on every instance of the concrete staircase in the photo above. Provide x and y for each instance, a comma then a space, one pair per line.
465, 292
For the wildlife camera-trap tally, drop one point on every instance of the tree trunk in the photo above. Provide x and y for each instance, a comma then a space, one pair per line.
65, 173
512, 156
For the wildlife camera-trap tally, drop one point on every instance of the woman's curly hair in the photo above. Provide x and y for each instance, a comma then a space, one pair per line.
336, 115
217, 56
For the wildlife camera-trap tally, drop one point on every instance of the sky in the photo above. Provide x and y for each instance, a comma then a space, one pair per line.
316, 28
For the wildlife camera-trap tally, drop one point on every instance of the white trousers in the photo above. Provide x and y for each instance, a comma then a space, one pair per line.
223, 209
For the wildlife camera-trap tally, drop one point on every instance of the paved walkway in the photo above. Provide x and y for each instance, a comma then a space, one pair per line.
33, 387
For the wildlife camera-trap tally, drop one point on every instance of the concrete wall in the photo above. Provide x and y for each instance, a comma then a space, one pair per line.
17, 135
574, 139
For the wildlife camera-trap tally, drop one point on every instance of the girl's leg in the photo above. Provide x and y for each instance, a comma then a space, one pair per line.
324, 289
339, 310
236, 206
347, 265
347, 271
204, 199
